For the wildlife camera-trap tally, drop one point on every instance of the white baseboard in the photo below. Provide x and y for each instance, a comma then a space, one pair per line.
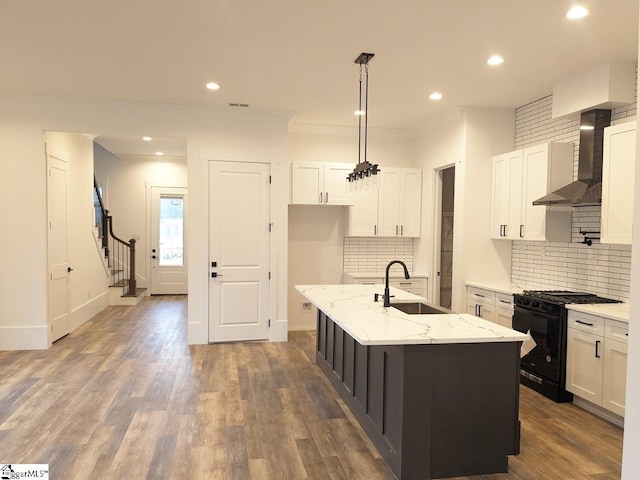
35, 337
90, 309
599, 411
278, 331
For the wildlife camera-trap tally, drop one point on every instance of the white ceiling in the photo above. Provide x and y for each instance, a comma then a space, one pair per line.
297, 55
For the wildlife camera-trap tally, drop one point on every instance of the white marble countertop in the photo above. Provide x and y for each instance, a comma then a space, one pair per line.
615, 311
500, 287
352, 308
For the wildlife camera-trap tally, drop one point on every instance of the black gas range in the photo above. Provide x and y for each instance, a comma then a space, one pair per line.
543, 315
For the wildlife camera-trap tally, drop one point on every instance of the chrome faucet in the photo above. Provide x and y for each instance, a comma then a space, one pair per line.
387, 297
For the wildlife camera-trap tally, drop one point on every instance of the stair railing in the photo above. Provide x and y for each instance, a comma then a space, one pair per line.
120, 254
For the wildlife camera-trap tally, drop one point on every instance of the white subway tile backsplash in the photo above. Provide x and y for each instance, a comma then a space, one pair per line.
371, 255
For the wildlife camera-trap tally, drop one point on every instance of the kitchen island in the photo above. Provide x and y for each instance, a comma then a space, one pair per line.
437, 394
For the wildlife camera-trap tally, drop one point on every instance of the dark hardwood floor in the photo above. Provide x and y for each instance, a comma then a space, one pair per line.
124, 396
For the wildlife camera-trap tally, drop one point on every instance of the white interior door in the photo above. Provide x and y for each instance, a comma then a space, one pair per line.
239, 251
168, 241
57, 213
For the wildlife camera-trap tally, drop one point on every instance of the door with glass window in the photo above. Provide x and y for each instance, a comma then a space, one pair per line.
168, 241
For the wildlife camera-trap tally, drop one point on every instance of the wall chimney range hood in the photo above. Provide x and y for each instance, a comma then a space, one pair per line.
587, 189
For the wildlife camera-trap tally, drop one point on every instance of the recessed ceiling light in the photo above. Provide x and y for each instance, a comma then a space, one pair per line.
359, 112
159, 153
147, 139
213, 86
577, 12
495, 60
435, 96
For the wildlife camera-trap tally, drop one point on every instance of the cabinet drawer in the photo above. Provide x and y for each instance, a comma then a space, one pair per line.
368, 281
504, 300
614, 330
586, 323
407, 284
481, 296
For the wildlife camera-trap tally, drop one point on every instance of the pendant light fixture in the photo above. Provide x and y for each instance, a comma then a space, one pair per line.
364, 169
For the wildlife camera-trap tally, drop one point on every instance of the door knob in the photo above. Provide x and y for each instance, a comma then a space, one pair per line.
69, 269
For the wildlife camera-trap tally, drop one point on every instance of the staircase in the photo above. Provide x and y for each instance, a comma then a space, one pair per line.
119, 256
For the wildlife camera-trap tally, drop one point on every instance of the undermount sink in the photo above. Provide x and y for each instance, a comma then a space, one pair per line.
418, 308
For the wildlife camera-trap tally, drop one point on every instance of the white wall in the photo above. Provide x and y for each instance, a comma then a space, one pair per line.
126, 182
466, 139
316, 233
631, 444
211, 134
315, 255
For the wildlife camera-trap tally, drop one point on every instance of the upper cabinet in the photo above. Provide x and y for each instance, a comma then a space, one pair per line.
391, 210
506, 205
523, 176
319, 183
399, 202
618, 172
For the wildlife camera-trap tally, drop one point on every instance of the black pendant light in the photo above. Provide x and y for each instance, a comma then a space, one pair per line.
364, 168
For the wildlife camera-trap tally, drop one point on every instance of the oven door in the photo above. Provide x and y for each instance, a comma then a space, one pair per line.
544, 360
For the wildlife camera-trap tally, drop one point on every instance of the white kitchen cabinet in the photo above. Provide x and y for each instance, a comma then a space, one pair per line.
618, 173
399, 202
614, 377
497, 307
416, 285
392, 209
597, 360
320, 183
481, 302
504, 310
519, 178
362, 215
506, 191
584, 365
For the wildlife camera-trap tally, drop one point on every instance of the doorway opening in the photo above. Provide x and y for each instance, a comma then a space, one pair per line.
445, 235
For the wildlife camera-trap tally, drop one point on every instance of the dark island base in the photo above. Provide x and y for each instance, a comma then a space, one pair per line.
432, 411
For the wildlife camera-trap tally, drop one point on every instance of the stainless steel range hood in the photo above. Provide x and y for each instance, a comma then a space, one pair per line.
587, 189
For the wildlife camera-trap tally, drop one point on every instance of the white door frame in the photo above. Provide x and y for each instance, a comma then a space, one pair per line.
150, 224
437, 227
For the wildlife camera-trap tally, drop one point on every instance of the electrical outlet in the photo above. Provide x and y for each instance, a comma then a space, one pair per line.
306, 306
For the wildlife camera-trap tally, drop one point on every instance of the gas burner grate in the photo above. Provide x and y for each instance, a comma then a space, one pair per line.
564, 296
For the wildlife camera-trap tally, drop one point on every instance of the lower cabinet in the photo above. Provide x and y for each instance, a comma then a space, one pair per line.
597, 360
431, 410
497, 307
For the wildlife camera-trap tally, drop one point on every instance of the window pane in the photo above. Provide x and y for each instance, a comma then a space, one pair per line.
171, 231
